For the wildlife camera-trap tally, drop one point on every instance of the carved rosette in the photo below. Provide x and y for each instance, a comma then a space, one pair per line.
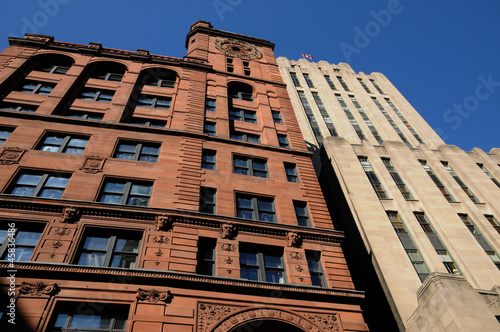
163, 222
62, 231
57, 244
227, 247
93, 164
38, 289
296, 255
153, 295
70, 215
11, 155
228, 231
161, 239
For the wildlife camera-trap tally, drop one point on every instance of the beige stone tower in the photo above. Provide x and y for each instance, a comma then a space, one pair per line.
425, 214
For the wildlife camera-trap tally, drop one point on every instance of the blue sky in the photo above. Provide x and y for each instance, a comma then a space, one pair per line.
442, 55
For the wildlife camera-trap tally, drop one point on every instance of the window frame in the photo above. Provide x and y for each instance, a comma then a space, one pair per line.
152, 123
207, 164
63, 147
31, 227
277, 117
260, 253
126, 193
210, 131
41, 185
306, 216
204, 203
206, 244
240, 114
254, 207
245, 136
5, 130
16, 107
283, 141
210, 105
373, 178
40, 88
156, 101
138, 154
291, 176
97, 95
249, 168
238, 92
320, 273
398, 180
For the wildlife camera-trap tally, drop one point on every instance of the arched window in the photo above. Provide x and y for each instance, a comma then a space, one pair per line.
53, 63
159, 77
108, 71
240, 91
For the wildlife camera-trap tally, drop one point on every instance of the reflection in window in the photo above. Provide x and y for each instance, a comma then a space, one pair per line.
117, 191
47, 185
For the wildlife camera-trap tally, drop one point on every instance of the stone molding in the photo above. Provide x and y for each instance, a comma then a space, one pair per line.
153, 295
38, 289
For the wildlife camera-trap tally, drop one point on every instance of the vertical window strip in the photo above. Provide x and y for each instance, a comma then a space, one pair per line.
295, 79
437, 181
351, 118
393, 124
397, 179
462, 185
330, 82
493, 222
310, 117
324, 114
308, 80
343, 83
403, 119
370, 173
367, 120
485, 170
360, 80
377, 86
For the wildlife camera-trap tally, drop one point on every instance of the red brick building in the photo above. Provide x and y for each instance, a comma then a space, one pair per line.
151, 193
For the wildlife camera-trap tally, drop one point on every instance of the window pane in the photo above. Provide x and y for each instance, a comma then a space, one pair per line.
57, 181
148, 158
3, 235
51, 193
91, 259
272, 261
27, 238
128, 245
316, 280
95, 243
243, 202
265, 205
245, 214
247, 258
114, 187
274, 276
138, 201
23, 191
265, 216
29, 179
238, 162
127, 147
53, 140
150, 150
139, 189
77, 142
249, 273
113, 199
90, 321
124, 261
23, 254
127, 156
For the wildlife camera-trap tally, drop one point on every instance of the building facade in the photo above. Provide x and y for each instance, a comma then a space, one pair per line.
142, 192
422, 216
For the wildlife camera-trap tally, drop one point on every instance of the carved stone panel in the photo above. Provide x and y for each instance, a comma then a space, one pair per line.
153, 295
93, 164
11, 155
38, 289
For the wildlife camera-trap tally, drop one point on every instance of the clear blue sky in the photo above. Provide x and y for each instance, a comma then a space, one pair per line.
442, 55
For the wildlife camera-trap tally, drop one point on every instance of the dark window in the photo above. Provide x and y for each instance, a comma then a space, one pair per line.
283, 141
154, 102
462, 185
250, 166
26, 236
208, 159
162, 79
39, 88
493, 222
84, 115
315, 268
262, 264
81, 316
242, 92
118, 191
4, 134
141, 151
72, 144
18, 107
397, 179
377, 87
436, 181
488, 173
360, 80
377, 186
208, 200
295, 79
469, 224
308, 80
97, 95
242, 115
109, 73
245, 137
109, 248
291, 172
277, 116
448, 262
210, 128
301, 213
47, 185
343, 83
206, 256
396, 222
210, 105
424, 222
54, 64
148, 122
255, 207
330, 82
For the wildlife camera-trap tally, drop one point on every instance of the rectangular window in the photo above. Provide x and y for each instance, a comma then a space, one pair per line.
291, 172
241, 92
63, 143
208, 159
154, 101
246, 68
391, 122
4, 134
148, 122
84, 115
121, 191
109, 248
26, 236
246, 137
315, 268
97, 95
375, 182
324, 114
208, 200
210, 105
397, 179
283, 141
39, 88
295, 79
493, 222
38, 184
206, 256
396, 222
403, 119
255, 207
141, 151
277, 116
18, 107
308, 80
448, 262
366, 119
310, 117
462, 185
424, 222
262, 264
377, 86
351, 117
436, 181
330, 82
485, 170
343, 83
360, 80
242, 115
210, 128
250, 166
301, 213
469, 224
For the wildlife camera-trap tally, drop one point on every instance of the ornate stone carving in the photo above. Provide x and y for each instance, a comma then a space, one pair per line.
229, 260
161, 239
153, 295
158, 252
209, 314
294, 239
296, 255
70, 215
228, 247
163, 222
57, 244
11, 155
93, 164
492, 300
299, 268
327, 322
228, 231
38, 289
62, 231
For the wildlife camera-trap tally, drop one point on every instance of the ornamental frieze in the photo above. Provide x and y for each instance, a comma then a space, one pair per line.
38, 289
153, 295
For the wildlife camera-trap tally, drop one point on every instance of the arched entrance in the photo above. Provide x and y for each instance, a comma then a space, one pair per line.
266, 326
